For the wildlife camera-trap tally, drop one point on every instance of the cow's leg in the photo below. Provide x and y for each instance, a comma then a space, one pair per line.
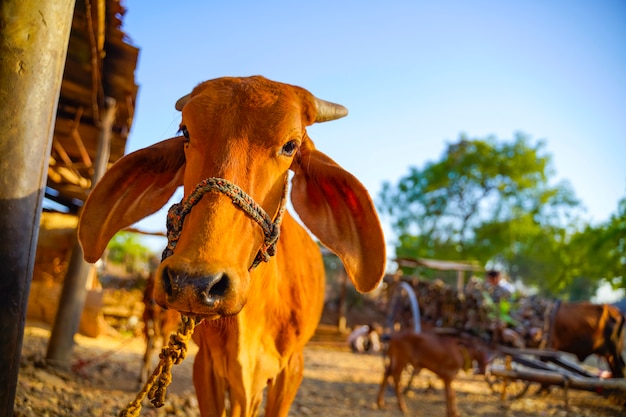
383, 385
256, 404
397, 367
283, 389
452, 410
244, 403
210, 390
416, 372
145, 368
620, 365
616, 363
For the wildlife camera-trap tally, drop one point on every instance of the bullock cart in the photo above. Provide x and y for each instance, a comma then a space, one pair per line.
511, 372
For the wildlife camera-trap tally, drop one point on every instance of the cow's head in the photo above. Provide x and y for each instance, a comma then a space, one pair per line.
249, 132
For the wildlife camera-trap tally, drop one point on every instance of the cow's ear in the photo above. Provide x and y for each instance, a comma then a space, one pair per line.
337, 208
136, 186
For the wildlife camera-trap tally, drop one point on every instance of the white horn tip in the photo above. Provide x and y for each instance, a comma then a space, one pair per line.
327, 111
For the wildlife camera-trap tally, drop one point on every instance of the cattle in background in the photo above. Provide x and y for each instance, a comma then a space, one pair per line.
444, 355
583, 329
260, 292
158, 325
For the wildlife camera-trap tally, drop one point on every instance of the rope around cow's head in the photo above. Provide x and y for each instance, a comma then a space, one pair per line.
176, 350
271, 229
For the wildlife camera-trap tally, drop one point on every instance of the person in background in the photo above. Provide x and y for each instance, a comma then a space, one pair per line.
495, 280
365, 338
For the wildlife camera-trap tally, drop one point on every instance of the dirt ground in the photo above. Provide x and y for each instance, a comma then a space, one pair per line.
337, 383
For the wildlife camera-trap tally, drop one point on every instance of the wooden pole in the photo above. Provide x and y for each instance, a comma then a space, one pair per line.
35, 35
74, 293
343, 290
561, 379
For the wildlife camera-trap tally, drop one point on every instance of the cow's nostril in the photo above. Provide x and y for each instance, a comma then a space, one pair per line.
167, 281
212, 288
207, 289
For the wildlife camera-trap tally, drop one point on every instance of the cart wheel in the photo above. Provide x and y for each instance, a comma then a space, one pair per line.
403, 314
515, 388
403, 309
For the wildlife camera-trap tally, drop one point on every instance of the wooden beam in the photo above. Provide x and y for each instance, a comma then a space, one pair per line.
143, 232
54, 176
69, 190
96, 82
81, 147
60, 150
559, 379
101, 26
71, 176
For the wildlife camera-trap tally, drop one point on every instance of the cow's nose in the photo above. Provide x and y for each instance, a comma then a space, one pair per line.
206, 289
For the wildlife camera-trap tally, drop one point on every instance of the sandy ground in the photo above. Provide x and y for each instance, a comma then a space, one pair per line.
337, 383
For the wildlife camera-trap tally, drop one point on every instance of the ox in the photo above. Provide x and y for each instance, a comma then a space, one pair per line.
583, 329
239, 260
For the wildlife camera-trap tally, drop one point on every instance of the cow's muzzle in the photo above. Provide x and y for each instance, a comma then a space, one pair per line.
206, 290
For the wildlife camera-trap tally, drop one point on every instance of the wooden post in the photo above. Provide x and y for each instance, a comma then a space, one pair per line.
74, 293
341, 309
35, 35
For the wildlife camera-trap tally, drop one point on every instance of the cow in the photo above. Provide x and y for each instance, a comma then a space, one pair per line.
158, 325
584, 328
236, 258
444, 355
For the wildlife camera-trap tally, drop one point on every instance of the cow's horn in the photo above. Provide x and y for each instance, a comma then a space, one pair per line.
182, 101
327, 111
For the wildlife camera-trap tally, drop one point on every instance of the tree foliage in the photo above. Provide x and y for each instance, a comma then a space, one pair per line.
126, 249
605, 248
494, 202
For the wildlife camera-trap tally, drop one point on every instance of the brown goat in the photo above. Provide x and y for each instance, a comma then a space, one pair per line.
444, 355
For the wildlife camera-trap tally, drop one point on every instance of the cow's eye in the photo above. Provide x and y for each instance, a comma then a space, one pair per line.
290, 148
185, 132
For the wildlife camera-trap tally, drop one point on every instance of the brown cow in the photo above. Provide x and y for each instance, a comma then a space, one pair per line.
444, 355
584, 329
158, 325
241, 136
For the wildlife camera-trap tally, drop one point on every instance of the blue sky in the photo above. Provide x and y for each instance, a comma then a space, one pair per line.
413, 74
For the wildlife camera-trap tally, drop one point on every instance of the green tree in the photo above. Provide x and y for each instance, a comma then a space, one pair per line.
612, 244
605, 248
485, 200
126, 249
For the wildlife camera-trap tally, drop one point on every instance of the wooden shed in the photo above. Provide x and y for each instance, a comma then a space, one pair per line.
98, 95
100, 65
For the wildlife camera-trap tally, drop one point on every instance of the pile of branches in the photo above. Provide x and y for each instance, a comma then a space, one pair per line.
484, 311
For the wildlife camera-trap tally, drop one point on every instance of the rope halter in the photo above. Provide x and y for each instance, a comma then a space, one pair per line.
271, 229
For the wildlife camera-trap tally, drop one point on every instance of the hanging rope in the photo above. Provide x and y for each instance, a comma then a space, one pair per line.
172, 354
